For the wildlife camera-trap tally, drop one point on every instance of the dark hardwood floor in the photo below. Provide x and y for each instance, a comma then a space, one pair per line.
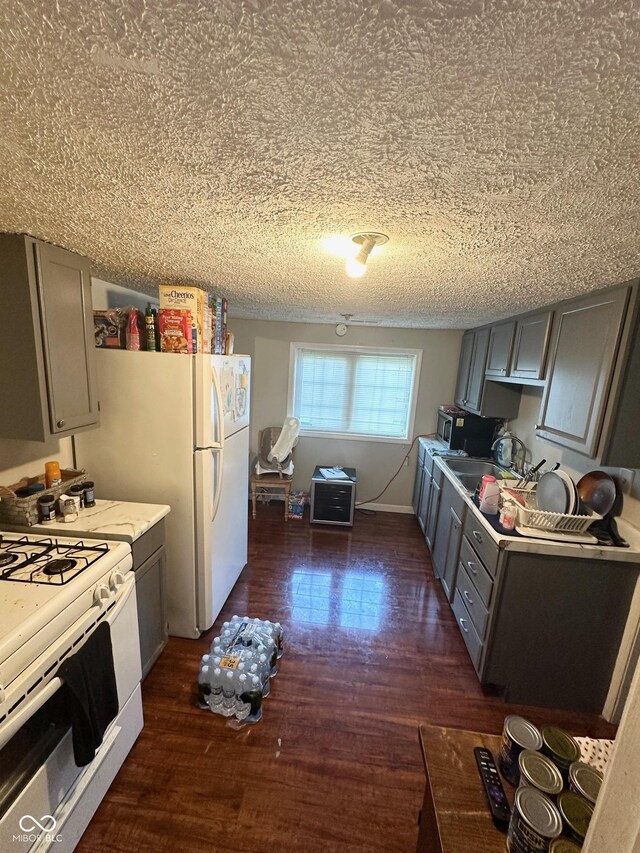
372, 649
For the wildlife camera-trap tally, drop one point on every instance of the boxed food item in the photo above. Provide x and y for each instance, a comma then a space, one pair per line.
175, 330
297, 501
192, 299
109, 329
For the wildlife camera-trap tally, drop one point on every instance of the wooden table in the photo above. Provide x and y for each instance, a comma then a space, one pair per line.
455, 816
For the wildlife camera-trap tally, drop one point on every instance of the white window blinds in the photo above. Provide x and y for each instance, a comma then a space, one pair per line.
352, 391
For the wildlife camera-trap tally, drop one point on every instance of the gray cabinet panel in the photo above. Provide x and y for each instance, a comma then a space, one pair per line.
482, 543
469, 633
464, 368
46, 319
499, 354
476, 370
64, 284
557, 629
151, 600
417, 487
584, 345
432, 514
476, 571
478, 612
423, 505
530, 346
450, 568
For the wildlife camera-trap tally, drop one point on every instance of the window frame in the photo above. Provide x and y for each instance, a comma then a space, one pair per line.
294, 346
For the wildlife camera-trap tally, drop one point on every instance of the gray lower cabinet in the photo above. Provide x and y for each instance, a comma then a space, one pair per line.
425, 496
150, 570
540, 629
46, 319
446, 543
434, 506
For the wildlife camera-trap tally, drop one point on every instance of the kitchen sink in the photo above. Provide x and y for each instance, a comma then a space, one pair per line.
469, 472
473, 467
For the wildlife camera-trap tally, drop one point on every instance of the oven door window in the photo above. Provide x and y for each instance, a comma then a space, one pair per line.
28, 751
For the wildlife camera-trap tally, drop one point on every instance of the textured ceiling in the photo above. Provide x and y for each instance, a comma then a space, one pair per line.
496, 143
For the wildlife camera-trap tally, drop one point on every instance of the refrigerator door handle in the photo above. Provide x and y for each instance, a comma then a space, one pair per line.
219, 412
217, 462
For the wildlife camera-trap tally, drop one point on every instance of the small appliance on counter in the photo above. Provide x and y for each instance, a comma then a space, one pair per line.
459, 430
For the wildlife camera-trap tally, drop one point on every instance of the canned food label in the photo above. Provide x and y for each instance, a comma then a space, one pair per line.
523, 839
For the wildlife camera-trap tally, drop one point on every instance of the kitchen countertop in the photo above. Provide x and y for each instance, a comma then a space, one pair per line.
528, 545
113, 519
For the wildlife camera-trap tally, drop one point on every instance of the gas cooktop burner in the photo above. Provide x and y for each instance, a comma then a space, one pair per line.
7, 559
58, 567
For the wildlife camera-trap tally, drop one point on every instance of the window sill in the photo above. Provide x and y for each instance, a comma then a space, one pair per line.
349, 436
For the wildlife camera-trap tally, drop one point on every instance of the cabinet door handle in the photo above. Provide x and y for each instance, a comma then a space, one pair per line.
61, 424
462, 624
471, 567
467, 596
478, 536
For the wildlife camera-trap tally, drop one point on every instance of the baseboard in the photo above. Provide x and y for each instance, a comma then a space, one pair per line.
407, 510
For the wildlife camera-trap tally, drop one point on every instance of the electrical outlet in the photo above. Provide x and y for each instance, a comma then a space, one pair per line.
625, 477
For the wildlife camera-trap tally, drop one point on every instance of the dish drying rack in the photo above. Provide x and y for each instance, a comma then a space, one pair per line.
563, 522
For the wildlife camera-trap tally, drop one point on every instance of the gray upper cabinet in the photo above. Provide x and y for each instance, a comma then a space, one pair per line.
476, 370
530, 346
585, 340
464, 366
500, 344
47, 325
473, 392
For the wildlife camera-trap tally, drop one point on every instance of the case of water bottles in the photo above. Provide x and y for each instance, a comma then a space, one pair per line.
235, 675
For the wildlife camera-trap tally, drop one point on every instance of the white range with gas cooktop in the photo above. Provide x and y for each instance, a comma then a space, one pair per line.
54, 593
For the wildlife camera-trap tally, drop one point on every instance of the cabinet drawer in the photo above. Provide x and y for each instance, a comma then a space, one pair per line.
472, 601
476, 571
482, 543
469, 634
148, 544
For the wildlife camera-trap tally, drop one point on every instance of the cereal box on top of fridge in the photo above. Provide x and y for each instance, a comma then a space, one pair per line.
192, 299
176, 333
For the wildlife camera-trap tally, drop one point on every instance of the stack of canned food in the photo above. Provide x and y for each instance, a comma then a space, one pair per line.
556, 792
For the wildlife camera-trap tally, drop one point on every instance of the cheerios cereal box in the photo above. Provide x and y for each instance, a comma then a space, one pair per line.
192, 299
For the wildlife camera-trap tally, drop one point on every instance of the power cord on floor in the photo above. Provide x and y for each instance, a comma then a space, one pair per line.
359, 504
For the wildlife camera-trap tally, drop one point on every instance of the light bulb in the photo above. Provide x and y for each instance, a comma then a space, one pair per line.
355, 268
341, 247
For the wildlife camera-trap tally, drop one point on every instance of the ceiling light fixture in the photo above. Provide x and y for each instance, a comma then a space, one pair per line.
367, 240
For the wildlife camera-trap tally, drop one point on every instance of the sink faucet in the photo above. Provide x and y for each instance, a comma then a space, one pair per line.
518, 467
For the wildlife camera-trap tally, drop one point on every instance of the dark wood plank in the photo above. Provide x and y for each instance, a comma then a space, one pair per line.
372, 651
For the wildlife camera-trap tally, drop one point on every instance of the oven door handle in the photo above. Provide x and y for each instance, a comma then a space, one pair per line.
20, 718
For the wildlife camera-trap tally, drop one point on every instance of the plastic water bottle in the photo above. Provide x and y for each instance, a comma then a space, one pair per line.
215, 697
204, 685
265, 673
228, 693
243, 708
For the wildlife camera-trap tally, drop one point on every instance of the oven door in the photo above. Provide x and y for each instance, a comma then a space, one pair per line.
45, 799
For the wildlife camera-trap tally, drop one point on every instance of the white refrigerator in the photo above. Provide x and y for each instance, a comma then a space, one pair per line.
174, 429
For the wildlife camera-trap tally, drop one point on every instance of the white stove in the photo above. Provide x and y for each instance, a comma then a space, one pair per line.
54, 591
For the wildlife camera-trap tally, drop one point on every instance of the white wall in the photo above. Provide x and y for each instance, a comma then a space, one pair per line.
268, 344
26, 458
573, 463
105, 294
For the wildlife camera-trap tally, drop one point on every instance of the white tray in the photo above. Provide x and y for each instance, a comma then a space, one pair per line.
557, 535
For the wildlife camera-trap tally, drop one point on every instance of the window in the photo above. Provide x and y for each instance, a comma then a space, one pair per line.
354, 392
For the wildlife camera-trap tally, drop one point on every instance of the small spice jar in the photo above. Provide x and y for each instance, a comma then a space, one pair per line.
77, 492
88, 488
46, 509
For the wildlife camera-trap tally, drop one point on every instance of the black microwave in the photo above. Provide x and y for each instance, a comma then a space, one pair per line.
462, 431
